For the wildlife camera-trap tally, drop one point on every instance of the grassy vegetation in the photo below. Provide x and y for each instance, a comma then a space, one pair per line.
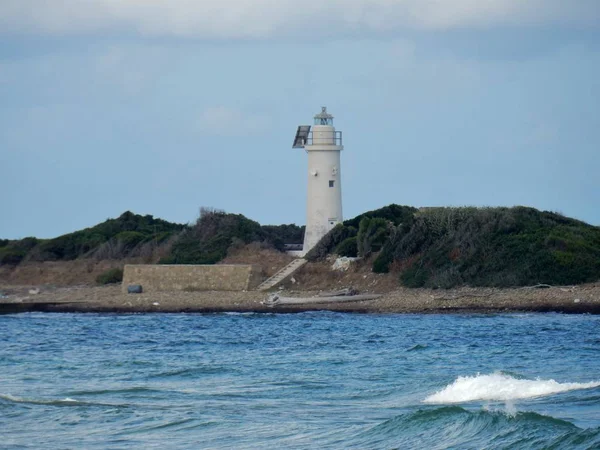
13, 252
372, 234
363, 234
395, 214
278, 235
215, 232
447, 247
112, 239
110, 276
330, 241
348, 247
430, 247
205, 242
209, 239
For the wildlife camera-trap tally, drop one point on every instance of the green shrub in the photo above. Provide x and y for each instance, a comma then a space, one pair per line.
110, 276
11, 256
447, 247
330, 241
161, 237
396, 214
130, 239
372, 234
279, 235
382, 262
13, 252
347, 248
70, 246
414, 277
209, 239
128, 229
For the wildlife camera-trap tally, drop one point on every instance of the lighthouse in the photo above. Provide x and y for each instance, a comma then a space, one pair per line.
323, 145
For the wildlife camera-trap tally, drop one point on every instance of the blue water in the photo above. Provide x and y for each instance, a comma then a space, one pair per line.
310, 380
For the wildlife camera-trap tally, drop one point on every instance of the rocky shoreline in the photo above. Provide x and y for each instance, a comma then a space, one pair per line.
581, 299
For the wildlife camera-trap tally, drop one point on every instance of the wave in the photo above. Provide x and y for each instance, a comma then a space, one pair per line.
501, 387
457, 427
192, 372
63, 402
417, 348
128, 390
67, 401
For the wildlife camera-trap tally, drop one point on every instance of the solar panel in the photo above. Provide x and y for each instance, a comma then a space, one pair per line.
301, 136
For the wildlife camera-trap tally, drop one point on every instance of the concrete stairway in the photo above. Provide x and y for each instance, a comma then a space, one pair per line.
282, 274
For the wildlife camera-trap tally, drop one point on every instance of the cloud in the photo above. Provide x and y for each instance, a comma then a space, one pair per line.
260, 19
226, 121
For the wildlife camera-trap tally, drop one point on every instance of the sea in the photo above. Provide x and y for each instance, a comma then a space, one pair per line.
315, 380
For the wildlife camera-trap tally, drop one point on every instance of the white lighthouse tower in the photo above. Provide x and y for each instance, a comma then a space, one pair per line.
324, 195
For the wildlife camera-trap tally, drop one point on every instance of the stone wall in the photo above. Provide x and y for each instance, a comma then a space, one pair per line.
220, 277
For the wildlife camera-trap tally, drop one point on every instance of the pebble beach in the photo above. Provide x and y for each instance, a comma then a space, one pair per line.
566, 299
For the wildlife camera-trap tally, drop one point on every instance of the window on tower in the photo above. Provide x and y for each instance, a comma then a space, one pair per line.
331, 183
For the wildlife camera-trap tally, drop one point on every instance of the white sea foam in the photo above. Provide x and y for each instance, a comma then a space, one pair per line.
500, 387
10, 398
15, 399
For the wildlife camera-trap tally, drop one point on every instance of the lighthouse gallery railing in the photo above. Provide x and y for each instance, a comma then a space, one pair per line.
324, 137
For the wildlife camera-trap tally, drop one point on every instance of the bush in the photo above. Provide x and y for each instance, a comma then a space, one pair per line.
382, 262
121, 235
330, 241
131, 238
278, 235
209, 239
386, 255
447, 247
396, 214
11, 256
347, 248
13, 252
372, 234
110, 276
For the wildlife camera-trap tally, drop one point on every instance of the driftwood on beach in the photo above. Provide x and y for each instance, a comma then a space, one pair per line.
341, 292
276, 300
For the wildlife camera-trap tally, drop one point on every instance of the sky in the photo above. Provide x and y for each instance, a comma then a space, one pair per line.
165, 106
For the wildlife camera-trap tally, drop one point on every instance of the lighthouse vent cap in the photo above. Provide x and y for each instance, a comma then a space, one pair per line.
323, 118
